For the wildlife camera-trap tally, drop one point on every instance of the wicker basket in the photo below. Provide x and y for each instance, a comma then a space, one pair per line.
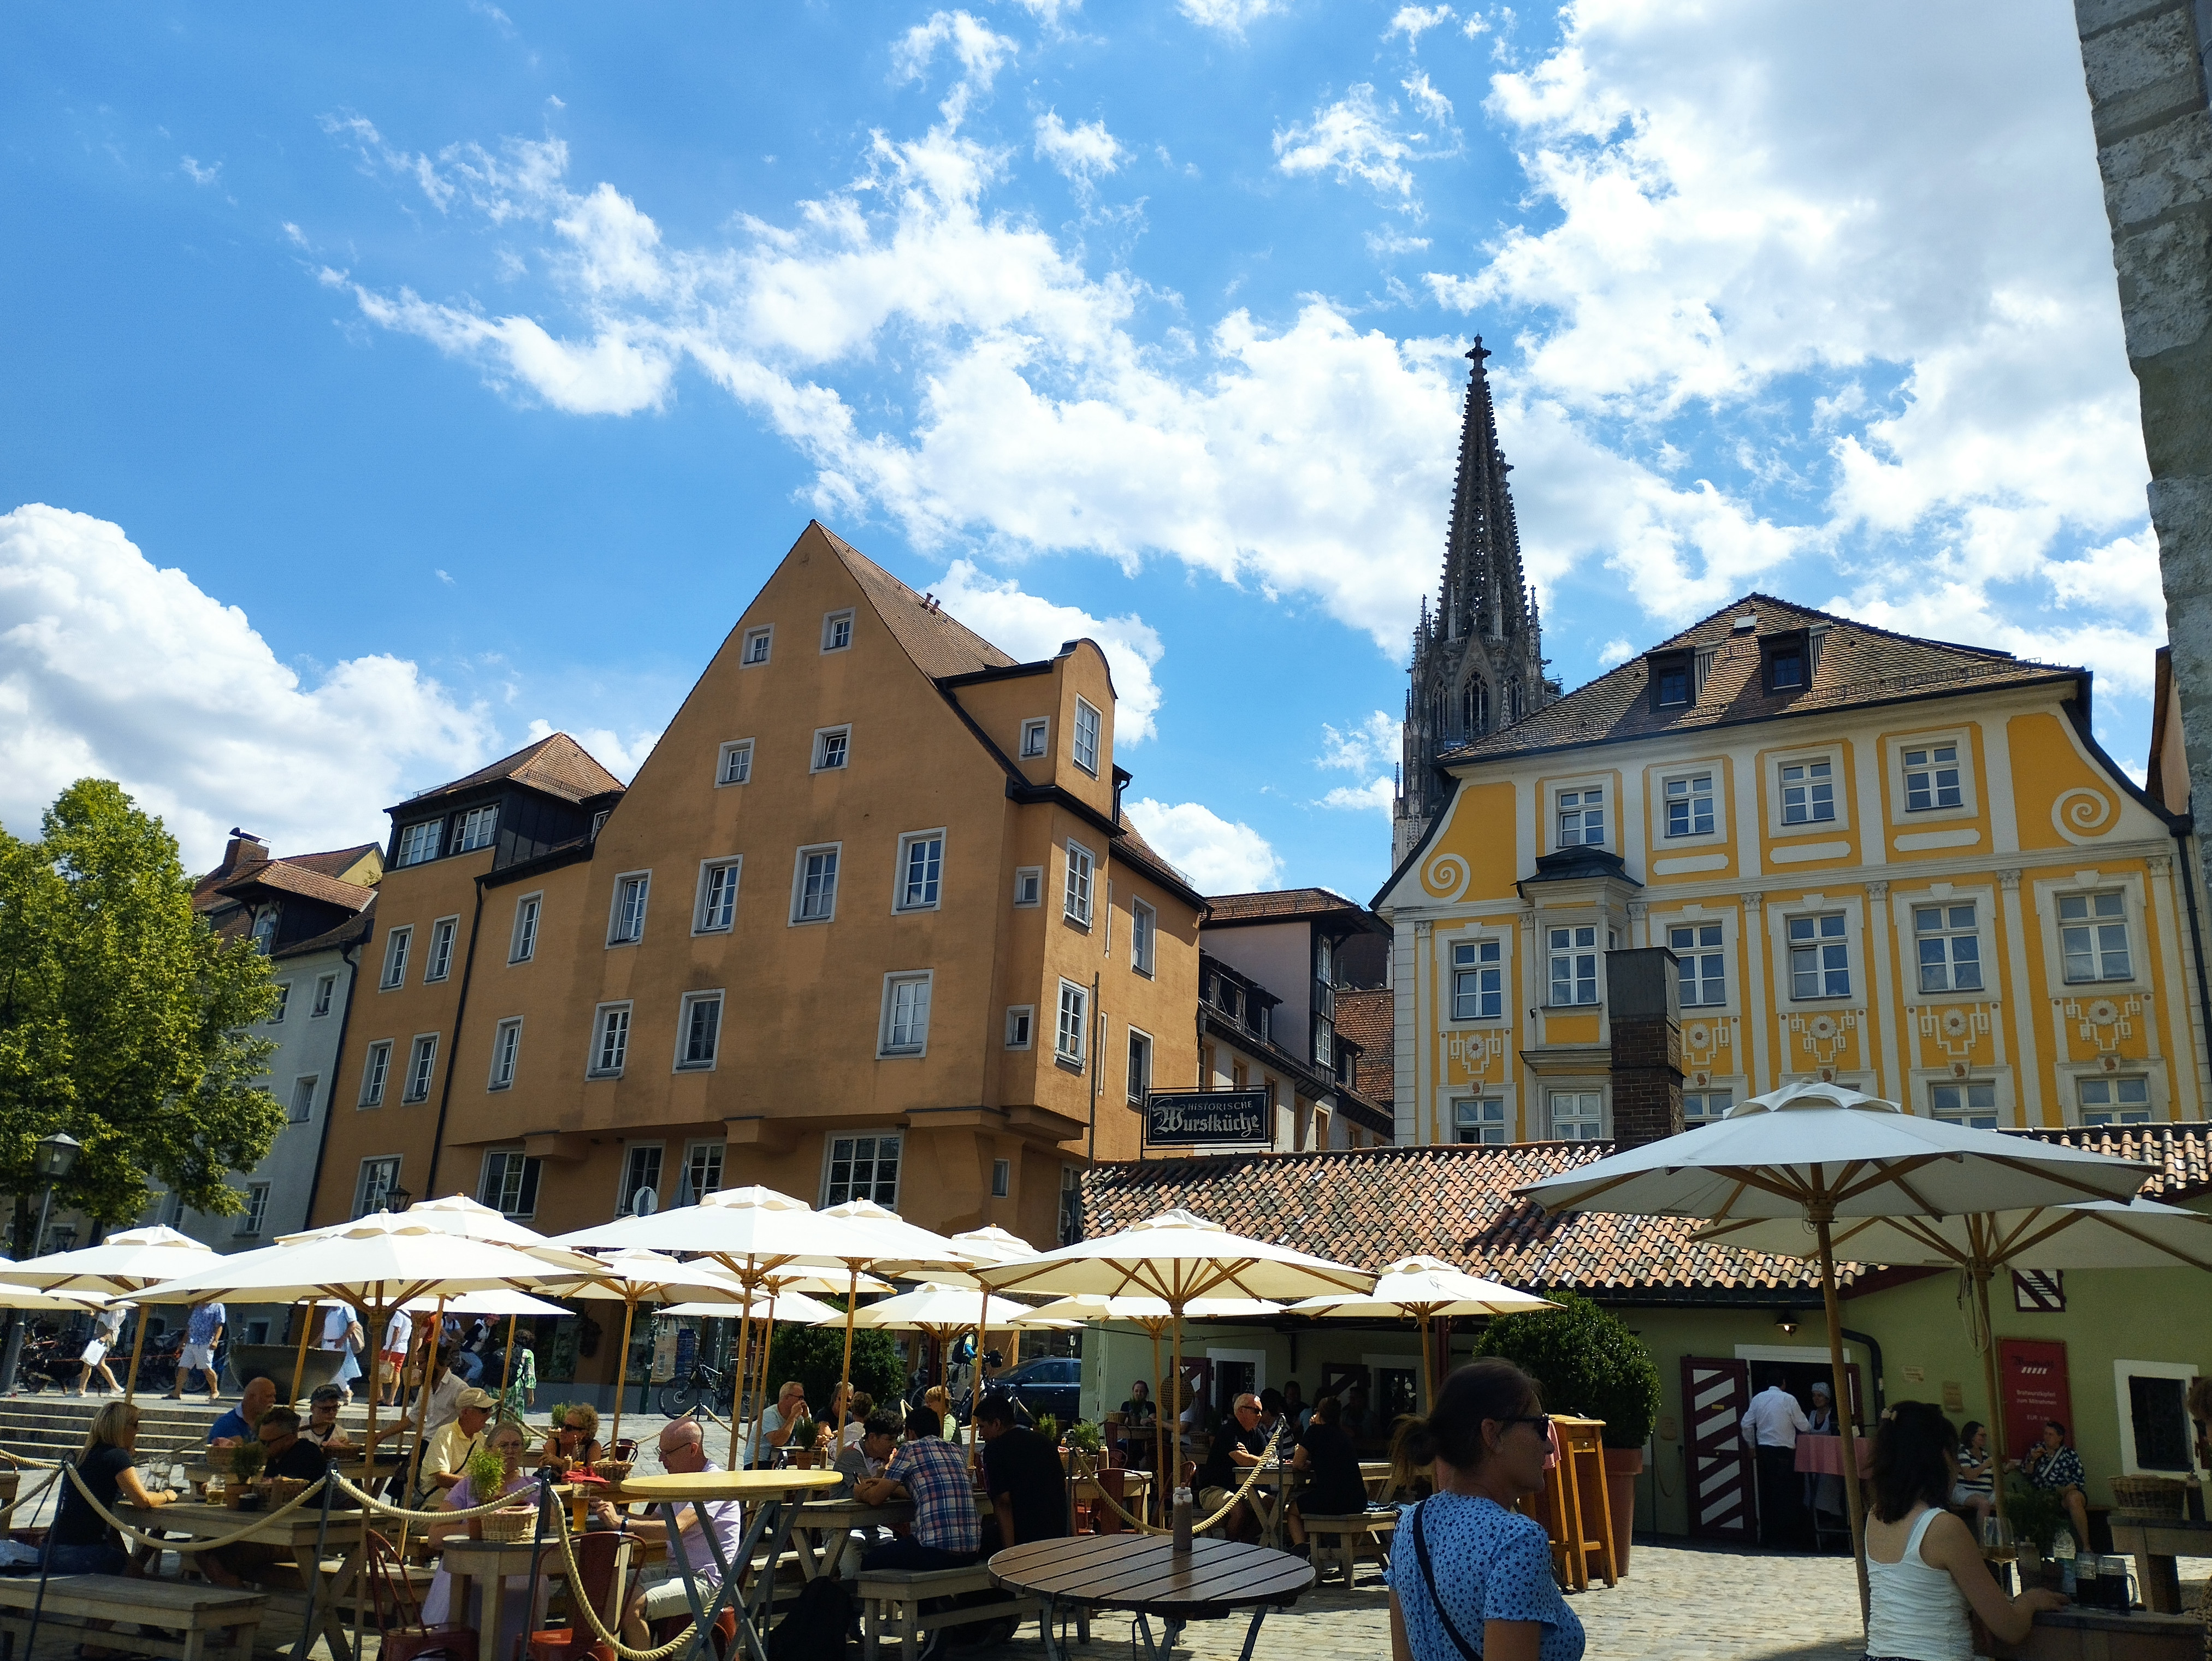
612, 1471
2146, 1497
509, 1527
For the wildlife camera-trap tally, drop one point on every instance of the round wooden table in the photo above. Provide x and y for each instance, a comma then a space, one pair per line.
1144, 1574
776, 1497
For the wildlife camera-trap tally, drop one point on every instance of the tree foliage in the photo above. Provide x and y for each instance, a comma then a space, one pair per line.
814, 1355
1585, 1362
122, 1016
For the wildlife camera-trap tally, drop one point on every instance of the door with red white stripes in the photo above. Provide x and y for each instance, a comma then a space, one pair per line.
1714, 1393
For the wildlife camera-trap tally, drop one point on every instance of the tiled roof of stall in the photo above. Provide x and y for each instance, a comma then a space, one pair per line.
1271, 903
1858, 664
2180, 1153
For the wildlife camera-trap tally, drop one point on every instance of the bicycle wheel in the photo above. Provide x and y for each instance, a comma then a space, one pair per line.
676, 1399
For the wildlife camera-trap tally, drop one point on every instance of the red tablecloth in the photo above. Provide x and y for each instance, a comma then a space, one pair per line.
1823, 1456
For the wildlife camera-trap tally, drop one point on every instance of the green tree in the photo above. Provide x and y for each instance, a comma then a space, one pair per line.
813, 1355
1586, 1362
122, 1017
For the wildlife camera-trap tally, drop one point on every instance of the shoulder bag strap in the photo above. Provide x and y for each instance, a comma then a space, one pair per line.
1429, 1580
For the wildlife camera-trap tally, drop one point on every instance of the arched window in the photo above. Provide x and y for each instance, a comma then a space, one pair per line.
1516, 700
1474, 706
1437, 718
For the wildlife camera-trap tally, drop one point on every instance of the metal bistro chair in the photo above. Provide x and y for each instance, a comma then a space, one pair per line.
602, 1578
398, 1612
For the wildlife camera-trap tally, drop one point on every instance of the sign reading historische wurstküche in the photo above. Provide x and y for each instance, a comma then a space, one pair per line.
1207, 1118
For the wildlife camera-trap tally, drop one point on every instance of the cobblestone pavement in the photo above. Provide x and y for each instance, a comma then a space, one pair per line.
1677, 1603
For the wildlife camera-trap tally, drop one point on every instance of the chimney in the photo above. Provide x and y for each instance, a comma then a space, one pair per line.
244, 848
1643, 1007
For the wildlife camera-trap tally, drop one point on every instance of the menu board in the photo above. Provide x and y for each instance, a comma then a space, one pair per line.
2032, 1380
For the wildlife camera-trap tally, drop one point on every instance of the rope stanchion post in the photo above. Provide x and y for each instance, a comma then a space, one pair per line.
46, 1568
314, 1574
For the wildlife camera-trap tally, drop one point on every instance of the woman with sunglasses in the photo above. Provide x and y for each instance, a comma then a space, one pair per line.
1471, 1578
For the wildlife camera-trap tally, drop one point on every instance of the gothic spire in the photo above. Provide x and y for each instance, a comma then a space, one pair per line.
1483, 589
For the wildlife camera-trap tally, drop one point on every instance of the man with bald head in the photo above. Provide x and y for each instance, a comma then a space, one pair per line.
661, 1591
240, 1424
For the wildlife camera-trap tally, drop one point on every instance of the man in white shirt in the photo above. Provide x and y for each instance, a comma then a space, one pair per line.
1772, 1425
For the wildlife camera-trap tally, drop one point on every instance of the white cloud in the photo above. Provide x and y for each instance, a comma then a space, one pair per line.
1080, 151
1230, 16
1375, 796
1031, 629
1354, 138
1218, 856
1433, 105
1619, 650
1372, 747
1387, 242
112, 668
200, 175
620, 756
1413, 22
1047, 11
982, 54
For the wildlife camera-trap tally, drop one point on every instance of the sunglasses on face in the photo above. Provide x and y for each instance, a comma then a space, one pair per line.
1539, 1422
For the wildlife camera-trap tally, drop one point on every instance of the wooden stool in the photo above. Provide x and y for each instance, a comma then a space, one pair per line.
1559, 1508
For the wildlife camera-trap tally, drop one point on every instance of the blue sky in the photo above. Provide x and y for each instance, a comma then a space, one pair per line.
380, 388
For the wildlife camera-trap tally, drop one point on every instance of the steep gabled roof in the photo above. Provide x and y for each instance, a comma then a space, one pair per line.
556, 764
287, 877
1280, 905
1857, 664
337, 862
939, 643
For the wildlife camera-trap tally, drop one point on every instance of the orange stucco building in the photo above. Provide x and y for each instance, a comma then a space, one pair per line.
868, 921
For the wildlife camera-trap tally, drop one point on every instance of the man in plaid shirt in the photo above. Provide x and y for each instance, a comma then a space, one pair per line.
933, 1474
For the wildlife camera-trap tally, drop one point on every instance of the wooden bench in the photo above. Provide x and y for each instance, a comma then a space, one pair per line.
1336, 1541
891, 1600
185, 1616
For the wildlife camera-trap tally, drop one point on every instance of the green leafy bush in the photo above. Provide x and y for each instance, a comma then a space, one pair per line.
246, 1460
2036, 1514
813, 1354
1586, 1362
1083, 1437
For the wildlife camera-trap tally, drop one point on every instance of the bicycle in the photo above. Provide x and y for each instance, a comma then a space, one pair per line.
702, 1387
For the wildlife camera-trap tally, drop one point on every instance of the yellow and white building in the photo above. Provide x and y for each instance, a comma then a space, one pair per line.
1898, 863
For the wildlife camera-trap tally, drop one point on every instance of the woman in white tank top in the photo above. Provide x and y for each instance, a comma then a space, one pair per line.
1924, 1568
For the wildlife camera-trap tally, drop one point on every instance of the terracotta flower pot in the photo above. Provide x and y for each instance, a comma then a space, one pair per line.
1623, 1465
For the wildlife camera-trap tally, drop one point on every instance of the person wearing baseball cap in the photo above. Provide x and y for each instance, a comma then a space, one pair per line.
449, 1451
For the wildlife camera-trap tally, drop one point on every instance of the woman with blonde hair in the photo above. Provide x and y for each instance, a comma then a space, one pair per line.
576, 1439
82, 1542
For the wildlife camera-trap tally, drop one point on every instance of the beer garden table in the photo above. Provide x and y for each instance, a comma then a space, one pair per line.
775, 1499
486, 1564
346, 1533
1823, 1456
2154, 1542
1146, 1576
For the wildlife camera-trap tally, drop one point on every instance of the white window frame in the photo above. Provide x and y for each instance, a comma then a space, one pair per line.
409, 1096
2094, 922
519, 1160
1706, 1092
1037, 737
1661, 777
2078, 1110
1598, 925
1002, 1178
735, 756
1144, 937
1021, 1026
364, 1189
1778, 915
1480, 1119
1609, 789
1475, 940
2070, 1075
830, 1159
1662, 934
297, 1111
703, 918
1097, 736
798, 882
522, 936
1139, 1086
600, 1016
396, 945
1574, 1087
623, 880
1983, 904
764, 636
625, 1195
1077, 859
2184, 1372
694, 1155
445, 934
375, 1073
906, 843
283, 1002
1820, 942
1033, 876
1998, 1106
690, 1002
1078, 1055
1839, 778
407, 849
506, 1054
256, 1212
467, 826
885, 1048
1895, 747
2049, 891
829, 622
326, 992
816, 760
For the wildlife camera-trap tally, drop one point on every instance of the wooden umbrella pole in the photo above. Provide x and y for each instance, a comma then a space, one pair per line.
374, 1325
429, 1348
767, 1360
1428, 1368
137, 1344
1174, 1435
845, 1375
975, 1384
1159, 1426
622, 1369
507, 1363
1981, 1274
743, 1370
1849, 1418
298, 1361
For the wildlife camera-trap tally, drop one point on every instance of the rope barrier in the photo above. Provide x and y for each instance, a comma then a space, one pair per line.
1198, 1527
194, 1543
370, 1502
613, 1640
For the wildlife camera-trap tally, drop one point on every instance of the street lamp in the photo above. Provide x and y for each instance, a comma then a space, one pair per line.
52, 1159
396, 1198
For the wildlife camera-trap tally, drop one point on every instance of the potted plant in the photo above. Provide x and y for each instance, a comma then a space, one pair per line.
801, 1444
1587, 1363
1048, 1427
245, 1462
2036, 1515
485, 1473
1084, 1442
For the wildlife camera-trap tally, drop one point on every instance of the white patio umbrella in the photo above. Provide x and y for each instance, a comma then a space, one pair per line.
2137, 1233
1177, 1256
990, 1248
1425, 1288
944, 1311
796, 1307
375, 1264
636, 1276
907, 1249
124, 1263
490, 1303
1818, 1153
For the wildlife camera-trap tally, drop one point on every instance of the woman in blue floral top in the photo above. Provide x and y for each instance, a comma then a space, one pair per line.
1469, 1576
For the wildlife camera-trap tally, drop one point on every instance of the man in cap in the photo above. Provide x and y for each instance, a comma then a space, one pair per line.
447, 1451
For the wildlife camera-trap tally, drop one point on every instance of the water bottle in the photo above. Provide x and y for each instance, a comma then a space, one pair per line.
1182, 1520
2062, 1547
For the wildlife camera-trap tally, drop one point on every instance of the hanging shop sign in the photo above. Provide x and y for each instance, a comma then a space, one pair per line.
1207, 1118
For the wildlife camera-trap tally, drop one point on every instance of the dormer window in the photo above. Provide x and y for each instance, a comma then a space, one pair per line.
1674, 682
1786, 661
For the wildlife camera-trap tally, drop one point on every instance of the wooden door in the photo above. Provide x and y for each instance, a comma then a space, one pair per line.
1715, 1392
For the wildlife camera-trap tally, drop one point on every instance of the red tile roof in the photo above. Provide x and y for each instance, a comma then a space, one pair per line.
336, 861
1270, 903
287, 877
1858, 664
2181, 1154
557, 764
1368, 1018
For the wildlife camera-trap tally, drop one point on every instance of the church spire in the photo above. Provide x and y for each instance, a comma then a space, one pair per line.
1483, 590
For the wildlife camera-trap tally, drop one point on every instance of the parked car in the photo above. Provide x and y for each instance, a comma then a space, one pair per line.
1047, 1383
